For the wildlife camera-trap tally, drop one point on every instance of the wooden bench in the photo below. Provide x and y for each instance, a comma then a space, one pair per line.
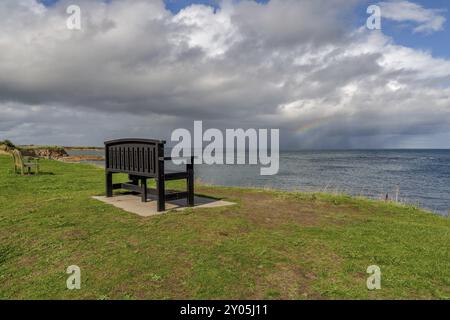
143, 159
24, 164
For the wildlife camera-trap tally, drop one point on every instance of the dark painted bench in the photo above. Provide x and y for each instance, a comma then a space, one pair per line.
143, 159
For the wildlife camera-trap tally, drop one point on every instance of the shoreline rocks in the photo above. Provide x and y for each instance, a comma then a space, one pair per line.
47, 153
55, 153
84, 148
80, 158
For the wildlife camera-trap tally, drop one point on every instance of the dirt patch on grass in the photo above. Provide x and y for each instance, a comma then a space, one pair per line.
76, 234
285, 282
152, 284
268, 210
27, 261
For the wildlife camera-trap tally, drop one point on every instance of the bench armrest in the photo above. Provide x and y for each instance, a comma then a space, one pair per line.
178, 158
29, 158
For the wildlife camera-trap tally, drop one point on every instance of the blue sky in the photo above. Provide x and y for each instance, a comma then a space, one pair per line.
438, 42
174, 5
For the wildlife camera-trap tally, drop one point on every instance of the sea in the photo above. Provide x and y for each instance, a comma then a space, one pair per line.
417, 177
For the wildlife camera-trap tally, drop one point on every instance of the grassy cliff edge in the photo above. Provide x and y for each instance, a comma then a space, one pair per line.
271, 245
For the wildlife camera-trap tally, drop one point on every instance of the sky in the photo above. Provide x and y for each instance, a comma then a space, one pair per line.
142, 68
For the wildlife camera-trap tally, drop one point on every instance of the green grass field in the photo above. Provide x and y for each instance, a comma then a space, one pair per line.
271, 245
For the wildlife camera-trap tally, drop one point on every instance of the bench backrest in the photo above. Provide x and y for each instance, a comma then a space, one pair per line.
18, 160
134, 156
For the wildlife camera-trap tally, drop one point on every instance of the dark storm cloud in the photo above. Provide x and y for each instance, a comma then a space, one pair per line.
286, 64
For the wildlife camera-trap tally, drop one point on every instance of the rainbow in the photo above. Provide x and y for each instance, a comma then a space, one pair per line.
313, 125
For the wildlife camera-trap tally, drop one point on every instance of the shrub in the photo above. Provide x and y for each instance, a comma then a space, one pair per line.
8, 143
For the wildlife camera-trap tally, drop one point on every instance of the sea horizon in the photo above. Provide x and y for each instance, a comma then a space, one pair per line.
419, 177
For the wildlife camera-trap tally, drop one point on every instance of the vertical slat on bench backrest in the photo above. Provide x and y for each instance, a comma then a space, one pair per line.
122, 157
113, 164
153, 160
136, 160
116, 160
132, 158
110, 156
139, 149
142, 159
145, 157
129, 158
150, 159
136, 156
106, 157
130, 155
136, 150
119, 158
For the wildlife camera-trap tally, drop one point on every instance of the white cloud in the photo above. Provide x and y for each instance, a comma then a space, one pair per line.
426, 20
200, 27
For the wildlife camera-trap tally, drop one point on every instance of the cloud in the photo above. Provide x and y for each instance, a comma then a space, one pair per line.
136, 69
426, 20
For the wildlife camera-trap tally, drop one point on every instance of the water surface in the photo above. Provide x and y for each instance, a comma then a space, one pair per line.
420, 177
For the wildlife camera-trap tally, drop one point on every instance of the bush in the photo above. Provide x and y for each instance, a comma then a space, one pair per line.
8, 143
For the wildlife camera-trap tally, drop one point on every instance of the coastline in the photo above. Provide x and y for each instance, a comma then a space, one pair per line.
374, 174
61, 153
84, 148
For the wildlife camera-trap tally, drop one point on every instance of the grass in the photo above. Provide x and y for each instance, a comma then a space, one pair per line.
271, 245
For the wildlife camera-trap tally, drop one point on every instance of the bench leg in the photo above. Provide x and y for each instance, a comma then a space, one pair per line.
109, 185
190, 184
144, 189
161, 193
160, 184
